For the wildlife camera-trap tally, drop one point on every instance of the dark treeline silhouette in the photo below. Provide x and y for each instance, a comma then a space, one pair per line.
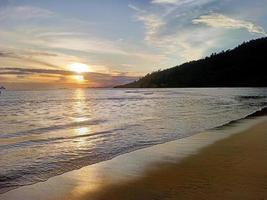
243, 66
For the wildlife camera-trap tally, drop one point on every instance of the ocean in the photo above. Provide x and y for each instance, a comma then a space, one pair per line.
47, 133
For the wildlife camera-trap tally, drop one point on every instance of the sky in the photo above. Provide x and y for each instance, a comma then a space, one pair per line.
48, 44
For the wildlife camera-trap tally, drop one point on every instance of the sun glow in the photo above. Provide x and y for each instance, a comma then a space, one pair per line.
79, 68
79, 78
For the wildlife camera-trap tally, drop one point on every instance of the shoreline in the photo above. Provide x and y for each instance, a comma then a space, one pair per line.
231, 168
257, 113
126, 167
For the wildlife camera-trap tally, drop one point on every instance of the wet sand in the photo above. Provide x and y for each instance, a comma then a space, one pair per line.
227, 163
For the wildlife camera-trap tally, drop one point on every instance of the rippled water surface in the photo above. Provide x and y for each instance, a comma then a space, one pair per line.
45, 133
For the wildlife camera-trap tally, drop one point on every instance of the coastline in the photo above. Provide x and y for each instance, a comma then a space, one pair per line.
133, 169
127, 174
232, 168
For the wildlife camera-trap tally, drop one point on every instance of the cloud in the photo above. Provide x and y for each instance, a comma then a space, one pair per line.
176, 2
169, 30
221, 21
181, 2
23, 13
5, 54
74, 41
28, 57
77, 43
135, 8
70, 47
18, 71
153, 25
26, 53
95, 79
39, 53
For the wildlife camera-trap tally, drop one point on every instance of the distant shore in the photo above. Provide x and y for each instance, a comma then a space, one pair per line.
219, 165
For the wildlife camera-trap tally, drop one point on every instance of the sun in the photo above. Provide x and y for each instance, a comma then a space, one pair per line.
79, 68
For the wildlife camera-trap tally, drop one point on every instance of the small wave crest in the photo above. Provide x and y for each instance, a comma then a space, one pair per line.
52, 128
258, 113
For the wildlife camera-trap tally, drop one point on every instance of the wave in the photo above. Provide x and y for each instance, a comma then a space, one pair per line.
253, 97
39, 131
57, 139
258, 113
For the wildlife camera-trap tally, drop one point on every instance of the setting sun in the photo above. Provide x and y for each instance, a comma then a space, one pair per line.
79, 67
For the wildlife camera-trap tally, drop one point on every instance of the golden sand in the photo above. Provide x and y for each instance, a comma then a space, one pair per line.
233, 168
